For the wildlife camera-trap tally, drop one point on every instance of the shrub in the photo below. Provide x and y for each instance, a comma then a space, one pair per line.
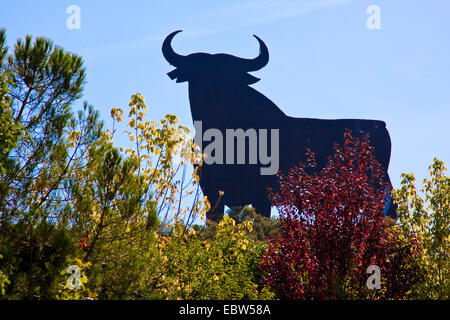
333, 229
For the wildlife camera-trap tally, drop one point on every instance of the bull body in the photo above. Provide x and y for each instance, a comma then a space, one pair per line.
221, 98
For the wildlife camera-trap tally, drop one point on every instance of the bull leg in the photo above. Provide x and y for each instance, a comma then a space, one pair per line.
263, 207
217, 209
390, 208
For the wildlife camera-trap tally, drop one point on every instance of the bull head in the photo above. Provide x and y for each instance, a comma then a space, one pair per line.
213, 67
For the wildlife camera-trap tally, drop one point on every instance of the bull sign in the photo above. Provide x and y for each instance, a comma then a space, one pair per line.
227, 112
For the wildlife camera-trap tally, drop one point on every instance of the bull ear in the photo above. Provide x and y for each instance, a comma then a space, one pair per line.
176, 74
249, 79
173, 74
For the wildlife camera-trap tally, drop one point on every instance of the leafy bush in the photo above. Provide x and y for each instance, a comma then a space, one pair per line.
425, 218
221, 268
333, 230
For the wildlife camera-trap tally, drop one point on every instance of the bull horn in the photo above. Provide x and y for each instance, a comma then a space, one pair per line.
171, 56
260, 61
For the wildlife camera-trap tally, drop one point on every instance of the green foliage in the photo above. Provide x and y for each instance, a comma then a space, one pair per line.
33, 258
39, 83
114, 217
3, 281
426, 218
221, 268
44, 81
157, 144
263, 227
9, 131
64, 292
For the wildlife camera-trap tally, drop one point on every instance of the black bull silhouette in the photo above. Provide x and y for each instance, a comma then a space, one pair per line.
221, 98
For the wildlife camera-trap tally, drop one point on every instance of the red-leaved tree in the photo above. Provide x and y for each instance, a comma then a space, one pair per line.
333, 229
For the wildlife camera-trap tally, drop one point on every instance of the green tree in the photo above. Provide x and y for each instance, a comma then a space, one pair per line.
157, 144
45, 81
4, 281
425, 216
9, 131
68, 195
114, 221
263, 228
33, 256
39, 84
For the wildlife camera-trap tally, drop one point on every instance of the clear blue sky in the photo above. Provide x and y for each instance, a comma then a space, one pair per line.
324, 61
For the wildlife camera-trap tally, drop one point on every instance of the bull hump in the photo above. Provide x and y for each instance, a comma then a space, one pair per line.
358, 123
375, 124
